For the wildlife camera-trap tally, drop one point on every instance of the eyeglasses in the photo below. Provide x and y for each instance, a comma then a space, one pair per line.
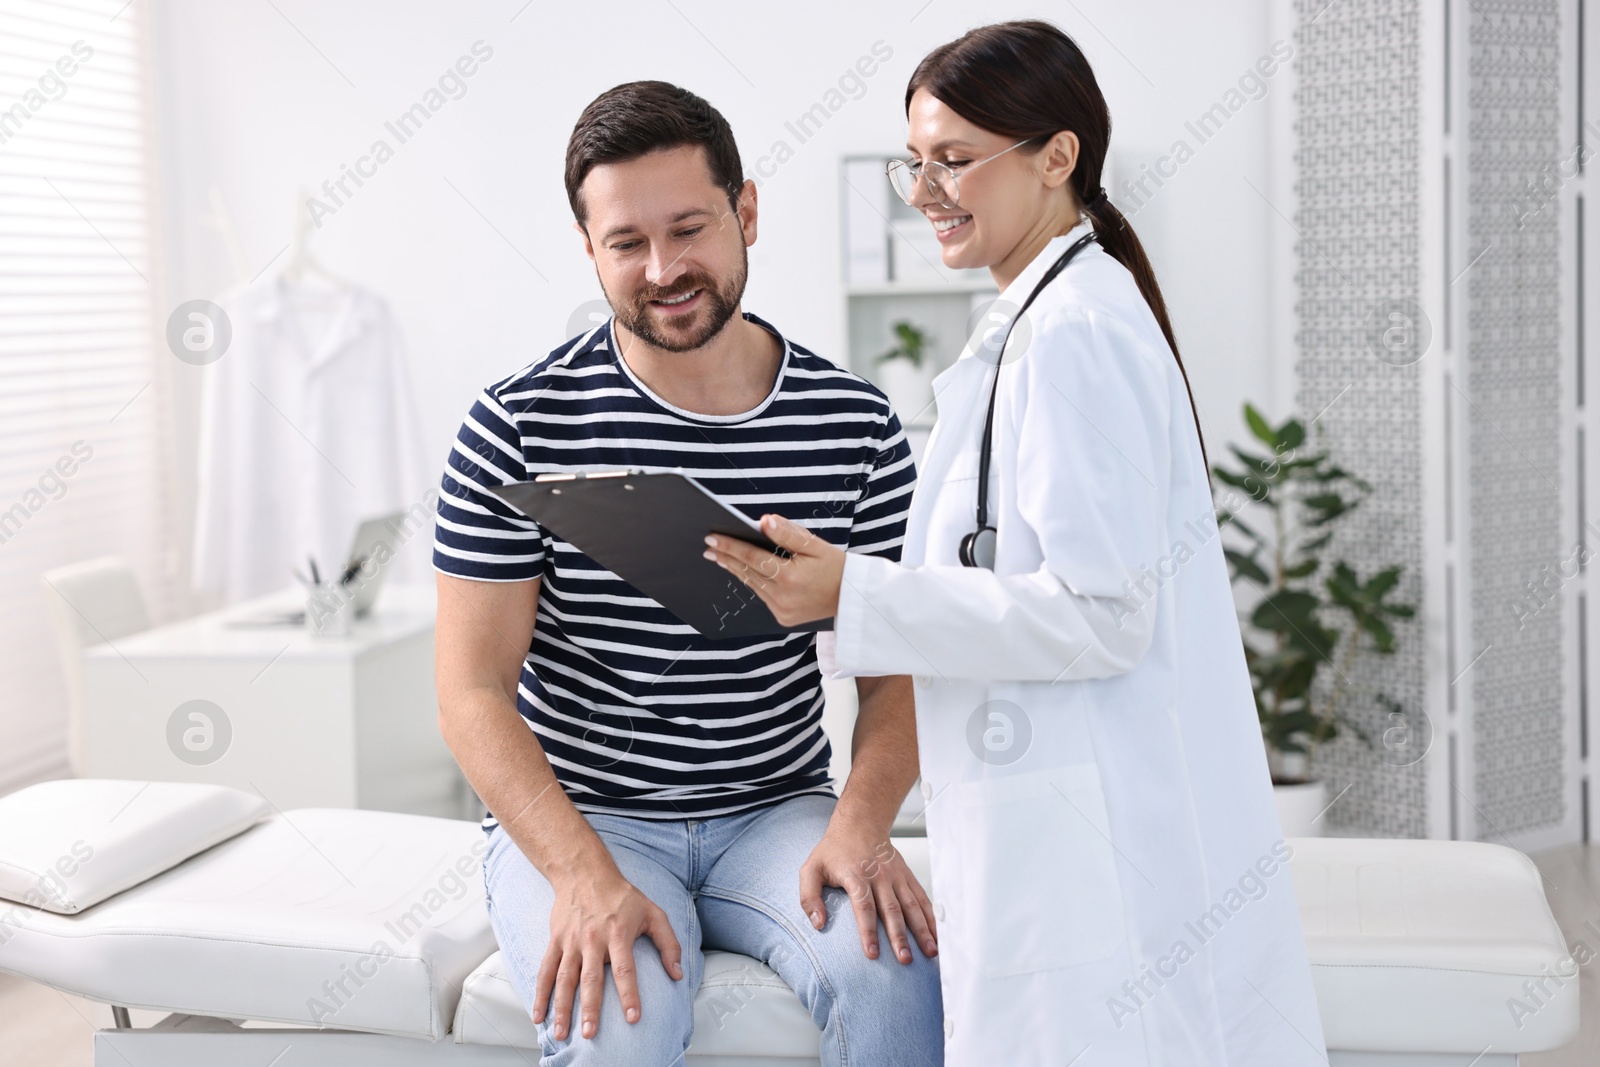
941, 180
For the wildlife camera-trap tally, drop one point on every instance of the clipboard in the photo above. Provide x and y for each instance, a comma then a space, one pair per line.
649, 529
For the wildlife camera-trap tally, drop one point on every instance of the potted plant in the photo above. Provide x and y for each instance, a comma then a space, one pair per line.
903, 373
1312, 616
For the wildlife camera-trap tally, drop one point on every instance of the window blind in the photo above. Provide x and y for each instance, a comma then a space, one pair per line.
84, 458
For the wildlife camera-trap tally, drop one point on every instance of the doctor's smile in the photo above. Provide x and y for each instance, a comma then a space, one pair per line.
753, 590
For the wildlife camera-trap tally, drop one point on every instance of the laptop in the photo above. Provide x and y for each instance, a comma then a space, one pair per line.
370, 535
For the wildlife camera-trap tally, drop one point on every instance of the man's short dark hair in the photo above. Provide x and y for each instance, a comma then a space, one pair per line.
637, 118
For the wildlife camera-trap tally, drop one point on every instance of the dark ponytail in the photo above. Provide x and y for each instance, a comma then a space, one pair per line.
1027, 79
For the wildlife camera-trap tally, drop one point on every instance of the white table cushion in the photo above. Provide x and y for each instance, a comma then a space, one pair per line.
359, 920
743, 1008
1426, 945
71, 843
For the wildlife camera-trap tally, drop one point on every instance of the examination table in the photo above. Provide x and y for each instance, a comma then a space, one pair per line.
361, 938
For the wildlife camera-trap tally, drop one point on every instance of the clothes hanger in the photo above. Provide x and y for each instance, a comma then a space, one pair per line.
302, 268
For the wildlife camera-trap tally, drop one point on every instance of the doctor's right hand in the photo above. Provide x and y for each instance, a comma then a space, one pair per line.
596, 919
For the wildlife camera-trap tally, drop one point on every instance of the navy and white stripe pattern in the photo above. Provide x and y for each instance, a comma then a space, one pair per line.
639, 714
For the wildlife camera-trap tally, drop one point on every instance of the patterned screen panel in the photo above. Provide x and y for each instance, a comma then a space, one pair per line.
1357, 275
1359, 156
1514, 413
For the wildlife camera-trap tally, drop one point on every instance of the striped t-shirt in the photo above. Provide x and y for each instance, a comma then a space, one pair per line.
638, 713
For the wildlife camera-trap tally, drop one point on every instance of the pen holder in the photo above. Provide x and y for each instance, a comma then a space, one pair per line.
330, 607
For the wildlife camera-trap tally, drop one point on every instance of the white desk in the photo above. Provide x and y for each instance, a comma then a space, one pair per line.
305, 721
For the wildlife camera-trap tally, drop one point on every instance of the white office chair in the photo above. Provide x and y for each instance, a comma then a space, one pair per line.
89, 603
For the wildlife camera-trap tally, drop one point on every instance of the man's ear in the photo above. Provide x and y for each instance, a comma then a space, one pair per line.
747, 211
588, 245
1059, 158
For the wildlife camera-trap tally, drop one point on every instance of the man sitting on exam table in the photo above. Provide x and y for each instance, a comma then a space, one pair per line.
653, 792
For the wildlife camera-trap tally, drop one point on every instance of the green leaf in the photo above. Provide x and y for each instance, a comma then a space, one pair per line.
1247, 566
1298, 676
1258, 426
1316, 459
1342, 597
1382, 636
1325, 502
1247, 482
1316, 638
1289, 675
1292, 434
1267, 468
1382, 582
1297, 722
1343, 586
1322, 518
1231, 518
1337, 473
1303, 568
1285, 610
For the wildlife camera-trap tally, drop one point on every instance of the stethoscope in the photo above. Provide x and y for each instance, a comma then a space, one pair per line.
977, 548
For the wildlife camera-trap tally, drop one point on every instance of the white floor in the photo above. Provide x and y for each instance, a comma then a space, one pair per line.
40, 1027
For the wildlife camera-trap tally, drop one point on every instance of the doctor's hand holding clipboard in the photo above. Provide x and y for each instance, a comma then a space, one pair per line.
1090, 754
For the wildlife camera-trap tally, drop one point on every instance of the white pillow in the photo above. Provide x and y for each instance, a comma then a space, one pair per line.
69, 844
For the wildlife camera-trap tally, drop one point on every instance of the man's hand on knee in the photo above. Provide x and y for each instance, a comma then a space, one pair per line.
880, 884
595, 920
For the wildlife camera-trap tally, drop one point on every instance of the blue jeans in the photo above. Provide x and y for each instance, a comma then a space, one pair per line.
732, 883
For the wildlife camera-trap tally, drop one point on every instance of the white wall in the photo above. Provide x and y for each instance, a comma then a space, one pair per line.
467, 231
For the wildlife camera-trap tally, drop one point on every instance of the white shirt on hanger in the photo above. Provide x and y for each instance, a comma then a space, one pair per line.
308, 426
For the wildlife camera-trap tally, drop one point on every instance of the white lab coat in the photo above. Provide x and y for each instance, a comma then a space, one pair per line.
1107, 864
308, 426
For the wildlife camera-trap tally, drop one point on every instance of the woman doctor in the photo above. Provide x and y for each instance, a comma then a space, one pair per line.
1110, 876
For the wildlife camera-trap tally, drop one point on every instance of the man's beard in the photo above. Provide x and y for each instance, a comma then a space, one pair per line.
719, 306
